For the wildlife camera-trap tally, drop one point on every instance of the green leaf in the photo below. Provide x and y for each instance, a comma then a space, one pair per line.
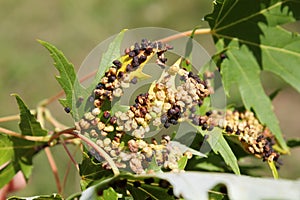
7, 171
242, 69
109, 194
16, 153
287, 47
67, 79
112, 53
199, 165
217, 192
28, 124
219, 145
256, 25
6, 150
182, 162
293, 142
140, 187
91, 172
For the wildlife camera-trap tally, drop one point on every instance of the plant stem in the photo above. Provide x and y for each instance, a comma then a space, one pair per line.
70, 156
14, 117
52, 99
54, 169
25, 137
69, 165
9, 118
53, 121
98, 149
102, 153
185, 34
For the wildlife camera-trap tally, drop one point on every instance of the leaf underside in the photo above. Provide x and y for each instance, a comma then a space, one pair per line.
196, 185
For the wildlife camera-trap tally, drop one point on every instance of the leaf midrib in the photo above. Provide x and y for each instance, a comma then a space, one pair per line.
216, 29
59, 59
262, 46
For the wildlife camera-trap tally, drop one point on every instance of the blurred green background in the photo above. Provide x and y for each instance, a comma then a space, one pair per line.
76, 27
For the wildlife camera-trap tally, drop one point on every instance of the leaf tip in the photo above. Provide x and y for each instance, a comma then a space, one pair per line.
41, 42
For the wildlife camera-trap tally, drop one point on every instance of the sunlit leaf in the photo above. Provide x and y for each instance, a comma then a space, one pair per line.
182, 162
220, 146
109, 194
112, 53
67, 79
6, 150
241, 69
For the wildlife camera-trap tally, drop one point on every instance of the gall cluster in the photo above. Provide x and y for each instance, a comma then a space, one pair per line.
122, 134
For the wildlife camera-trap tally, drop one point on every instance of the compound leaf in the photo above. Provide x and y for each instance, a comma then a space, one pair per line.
243, 70
255, 26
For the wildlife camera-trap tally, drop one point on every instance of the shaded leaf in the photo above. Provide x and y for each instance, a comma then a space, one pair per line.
28, 123
218, 192
140, 187
91, 172
293, 142
6, 150
257, 26
18, 153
